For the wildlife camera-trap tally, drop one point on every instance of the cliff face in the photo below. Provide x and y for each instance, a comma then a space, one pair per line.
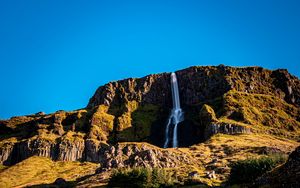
215, 100
236, 95
200, 84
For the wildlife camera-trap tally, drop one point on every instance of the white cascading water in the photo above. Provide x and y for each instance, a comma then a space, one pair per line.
176, 115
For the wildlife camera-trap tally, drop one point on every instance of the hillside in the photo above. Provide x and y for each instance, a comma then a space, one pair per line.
286, 175
230, 114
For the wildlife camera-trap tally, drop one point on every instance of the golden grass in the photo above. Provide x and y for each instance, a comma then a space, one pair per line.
41, 170
221, 150
8, 141
264, 113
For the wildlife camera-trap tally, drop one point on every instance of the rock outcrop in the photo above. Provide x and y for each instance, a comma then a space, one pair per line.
141, 155
65, 151
219, 87
217, 99
200, 84
109, 156
224, 128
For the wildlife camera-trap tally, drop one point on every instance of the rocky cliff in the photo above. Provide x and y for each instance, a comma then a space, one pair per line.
215, 99
240, 98
199, 85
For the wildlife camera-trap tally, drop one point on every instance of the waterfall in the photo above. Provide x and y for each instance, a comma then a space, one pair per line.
176, 115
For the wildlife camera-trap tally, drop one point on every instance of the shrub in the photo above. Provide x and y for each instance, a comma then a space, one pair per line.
246, 171
140, 177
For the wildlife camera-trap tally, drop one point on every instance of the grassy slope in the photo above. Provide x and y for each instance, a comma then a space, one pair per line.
217, 154
261, 113
222, 150
40, 170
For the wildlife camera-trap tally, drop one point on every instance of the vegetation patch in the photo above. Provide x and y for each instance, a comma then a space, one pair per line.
101, 124
137, 123
263, 112
246, 171
141, 178
143, 118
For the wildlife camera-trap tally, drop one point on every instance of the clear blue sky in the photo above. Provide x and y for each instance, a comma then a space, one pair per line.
54, 54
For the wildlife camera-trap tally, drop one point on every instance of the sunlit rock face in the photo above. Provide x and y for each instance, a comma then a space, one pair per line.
215, 99
199, 84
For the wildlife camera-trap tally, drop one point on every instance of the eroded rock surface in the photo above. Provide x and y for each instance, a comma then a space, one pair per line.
215, 99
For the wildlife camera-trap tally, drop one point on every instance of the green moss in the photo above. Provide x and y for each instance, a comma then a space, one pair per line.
263, 112
246, 171
46, 135
142, 119
101, 123
207, 114
14, 122
125, 120
3, 167
73, 136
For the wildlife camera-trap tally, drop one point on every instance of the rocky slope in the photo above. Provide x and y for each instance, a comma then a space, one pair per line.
205, 163
287, 175
215, 99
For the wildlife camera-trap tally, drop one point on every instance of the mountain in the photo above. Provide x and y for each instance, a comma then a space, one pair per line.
230, 114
